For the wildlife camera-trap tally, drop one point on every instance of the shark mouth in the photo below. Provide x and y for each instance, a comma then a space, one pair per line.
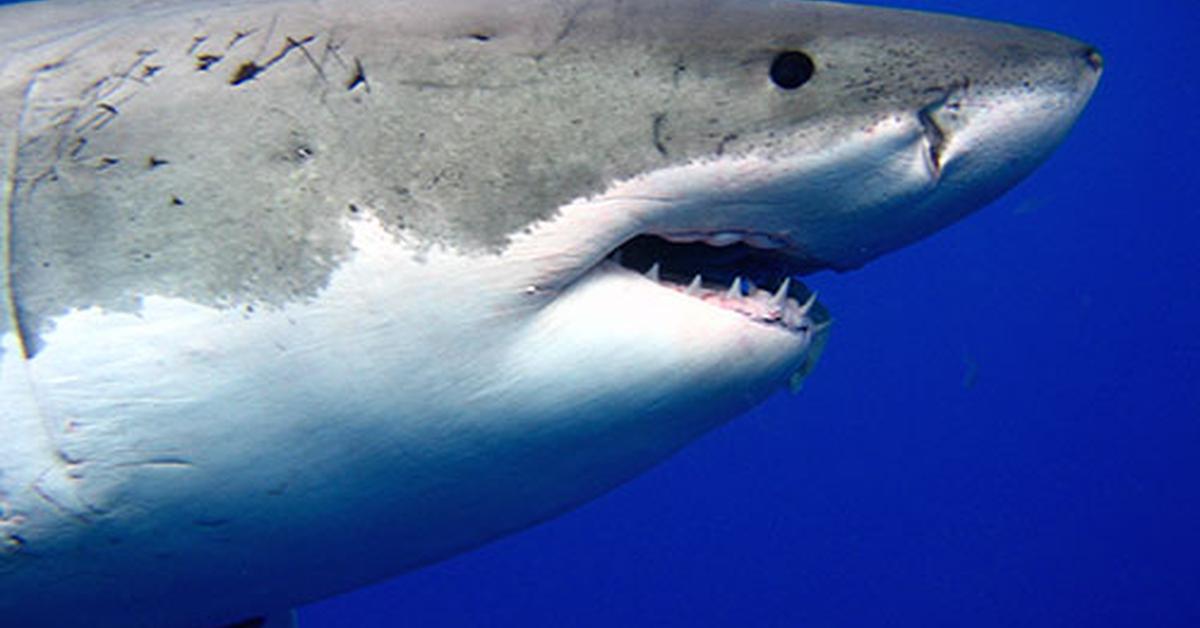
742, 272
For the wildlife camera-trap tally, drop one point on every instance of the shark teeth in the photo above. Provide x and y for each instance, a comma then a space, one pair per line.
778, 308
735, 289
808, 305
780, 296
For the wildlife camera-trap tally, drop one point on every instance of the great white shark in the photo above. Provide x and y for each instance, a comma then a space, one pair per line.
298, 295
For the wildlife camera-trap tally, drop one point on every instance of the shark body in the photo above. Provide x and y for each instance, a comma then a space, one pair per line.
301, 295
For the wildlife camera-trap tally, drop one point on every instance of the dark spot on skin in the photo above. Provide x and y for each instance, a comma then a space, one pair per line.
660, 119
359, 78
108, 108
680, 69
176, 201
107, 162
148, 71
247, 72
353, 208
792, 69
304, 153
154, 162
204, 62
480, 37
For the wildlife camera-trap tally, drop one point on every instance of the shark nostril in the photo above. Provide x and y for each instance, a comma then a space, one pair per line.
1093, 58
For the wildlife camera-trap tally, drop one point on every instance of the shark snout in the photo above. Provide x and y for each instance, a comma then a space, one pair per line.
986, 136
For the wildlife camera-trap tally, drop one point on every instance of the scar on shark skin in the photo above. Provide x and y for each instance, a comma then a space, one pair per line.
249, 70
660, 119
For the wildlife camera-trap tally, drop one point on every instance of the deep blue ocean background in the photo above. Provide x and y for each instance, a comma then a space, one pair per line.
1004, 430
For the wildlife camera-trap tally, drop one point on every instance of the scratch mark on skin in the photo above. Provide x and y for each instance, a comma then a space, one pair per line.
54, 503
238, 37
333, 49
196, 43
250, 69
307, 55
106, 114
143, 57
80, 143
660, 119
731, 137
68, 459
156, 162
161, 463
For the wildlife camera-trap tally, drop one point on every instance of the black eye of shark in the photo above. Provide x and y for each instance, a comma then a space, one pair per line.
792, 69
745, 272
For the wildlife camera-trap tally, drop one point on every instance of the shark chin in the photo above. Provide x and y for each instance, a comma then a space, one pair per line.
300, 295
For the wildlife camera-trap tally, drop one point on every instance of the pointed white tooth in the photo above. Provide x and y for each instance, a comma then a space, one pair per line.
724, 238
781, 294
693, 288
808, 305
735, 289
653, 273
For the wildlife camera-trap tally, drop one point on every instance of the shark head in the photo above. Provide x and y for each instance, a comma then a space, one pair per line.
775, 144
421, 274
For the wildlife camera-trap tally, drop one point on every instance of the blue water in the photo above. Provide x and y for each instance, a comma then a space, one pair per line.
1005, 430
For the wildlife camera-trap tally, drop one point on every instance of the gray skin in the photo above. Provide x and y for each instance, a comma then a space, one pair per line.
212, 154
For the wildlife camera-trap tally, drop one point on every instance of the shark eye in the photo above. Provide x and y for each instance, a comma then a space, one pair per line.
791, 69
